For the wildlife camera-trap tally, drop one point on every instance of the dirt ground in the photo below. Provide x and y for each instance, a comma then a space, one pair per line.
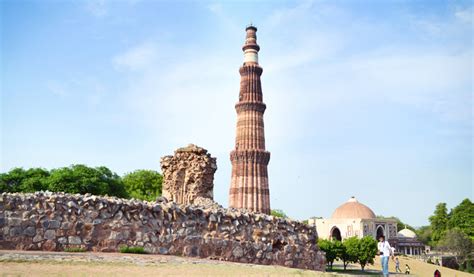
32, 263
419, 268
35, 263
62, 269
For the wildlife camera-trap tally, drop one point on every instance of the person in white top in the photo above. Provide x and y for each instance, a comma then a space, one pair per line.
385, 251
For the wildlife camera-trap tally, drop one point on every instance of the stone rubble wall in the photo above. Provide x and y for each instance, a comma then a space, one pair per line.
55, 221
188, 174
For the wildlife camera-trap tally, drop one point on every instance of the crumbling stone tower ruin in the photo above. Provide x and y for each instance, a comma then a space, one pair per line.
188, 174
249, 183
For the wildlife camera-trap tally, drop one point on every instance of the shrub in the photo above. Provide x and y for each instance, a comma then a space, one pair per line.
133, 250
74, 249
278, 213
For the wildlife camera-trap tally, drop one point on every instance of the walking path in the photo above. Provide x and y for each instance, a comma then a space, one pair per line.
37, 263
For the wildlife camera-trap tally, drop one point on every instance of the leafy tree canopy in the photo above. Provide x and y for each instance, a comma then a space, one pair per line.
143, 184
20, 180
462, 217
439, 222
351, 251
83, 179
424, 235
367, 251
279, 213
73, 179
333, 249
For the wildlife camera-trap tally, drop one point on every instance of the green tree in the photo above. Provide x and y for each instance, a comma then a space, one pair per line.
424, 234
83, 179
458, 243
332, 248
462, 217
350, 251
115, 183
143, 184
20, 180
278, 213
367, 251
439, 221
338, 248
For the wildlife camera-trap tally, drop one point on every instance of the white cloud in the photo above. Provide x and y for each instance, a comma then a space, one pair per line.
57, 88
285, 15
216, 8
329, 69
465, 15
97, 8
85, 89
430, 82
183, 94
137, 58
226, 19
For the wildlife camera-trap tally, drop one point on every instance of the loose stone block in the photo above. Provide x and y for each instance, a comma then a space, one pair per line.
50, 234
30, 231
74, 240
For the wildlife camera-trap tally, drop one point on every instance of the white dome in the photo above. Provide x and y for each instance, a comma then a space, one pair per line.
406, 233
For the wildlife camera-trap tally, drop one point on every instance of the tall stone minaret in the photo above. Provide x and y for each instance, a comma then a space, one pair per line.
249, 184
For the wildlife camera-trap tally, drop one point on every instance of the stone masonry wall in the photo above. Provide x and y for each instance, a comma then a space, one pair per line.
55, 221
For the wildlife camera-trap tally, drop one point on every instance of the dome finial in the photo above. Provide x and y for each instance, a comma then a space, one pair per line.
352, 199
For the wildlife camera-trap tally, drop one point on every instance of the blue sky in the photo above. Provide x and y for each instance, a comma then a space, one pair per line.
364, 98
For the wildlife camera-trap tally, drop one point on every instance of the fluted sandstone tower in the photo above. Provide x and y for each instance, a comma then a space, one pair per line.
249, 184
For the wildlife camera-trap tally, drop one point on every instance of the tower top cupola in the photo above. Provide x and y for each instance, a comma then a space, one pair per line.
251, 47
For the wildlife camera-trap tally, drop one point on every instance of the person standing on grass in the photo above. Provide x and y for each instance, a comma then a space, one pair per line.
397, 265
385, 252
407, 269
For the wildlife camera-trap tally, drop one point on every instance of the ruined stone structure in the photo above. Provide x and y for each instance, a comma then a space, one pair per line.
56, 221
249, 184
188, 174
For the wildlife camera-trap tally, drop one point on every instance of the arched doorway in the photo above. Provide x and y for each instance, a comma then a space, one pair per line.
336, 234
380, 232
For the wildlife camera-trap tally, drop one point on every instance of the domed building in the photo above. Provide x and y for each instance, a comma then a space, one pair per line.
354, 219
407, 243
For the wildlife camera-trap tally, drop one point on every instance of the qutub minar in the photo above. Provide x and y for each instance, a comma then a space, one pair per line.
249, 183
